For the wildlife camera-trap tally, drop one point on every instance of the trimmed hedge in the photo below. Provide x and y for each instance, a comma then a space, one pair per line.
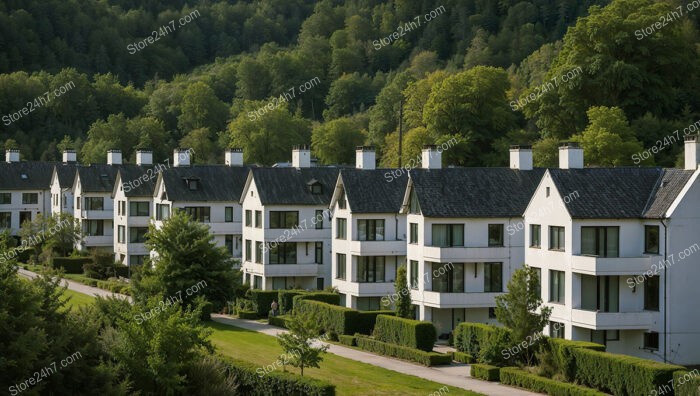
262, 299
462, 357
279, 321
367, 320
685, 383
405, 332
243, 314
114, 286
347, 340
334, 320
70, 265
514, 376
401, 352
328, 298
620, 374
562, 354
485, 372
469, 337
286, 299
276, 382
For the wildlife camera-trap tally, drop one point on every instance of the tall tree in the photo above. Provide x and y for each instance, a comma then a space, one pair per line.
608, 140
334, 142
403, 302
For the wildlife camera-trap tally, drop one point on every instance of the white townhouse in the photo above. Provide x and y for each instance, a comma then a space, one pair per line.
287, 230
93, 203
208, 193
369, 233
133, 197
24, 191
62, 179
618, 255
460, 255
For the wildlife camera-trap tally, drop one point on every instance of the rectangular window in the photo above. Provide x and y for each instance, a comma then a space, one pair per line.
600, 293
137, 259
651, 239
651, 341
283, 219
122, 206
258, 252
651, 293
600, 241
319, 284
448, 235
248, 218
495, 234
283, 253
493, 277
413, 233
340, 266
5, 198
94, 227
5, 219
229, 244
24, 217
94, 203
248, 249
341, 228
556, 330
342, 203
370, 230
228, 214
199, 213
413, 274
370, 269
77, 202
257, 282
258, 219
162, 212
121, 234
557, 286
319, 219
538, 289
279, 283
137, 234
556, 238
369, 303
448, 278
535, 235
318, 253
492, 312
139, 209
30, 198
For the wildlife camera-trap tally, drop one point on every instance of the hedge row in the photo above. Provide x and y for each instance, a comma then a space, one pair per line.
279, 321
462, 357
286, 300
275, 382
347, 340
367, 319
328, 298
243, 314
562, 354
472, 337
114, 286
685, 383
401, 352
405, 332
262, 299
514, 376
70, 265
620, 374
336, 320
485, 372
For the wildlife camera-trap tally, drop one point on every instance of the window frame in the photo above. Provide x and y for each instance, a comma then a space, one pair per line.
137, 206
228, 214
500, 229
560, 297
341, 263
489, 281
561, 238
279, 219
536, 244
647, 228
341, 228
371, 227
6, 195
30, 198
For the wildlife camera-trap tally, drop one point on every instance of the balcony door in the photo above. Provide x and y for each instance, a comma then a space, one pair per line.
600, 293
600, 241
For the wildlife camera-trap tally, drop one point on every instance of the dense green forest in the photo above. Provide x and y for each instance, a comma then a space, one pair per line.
267, 74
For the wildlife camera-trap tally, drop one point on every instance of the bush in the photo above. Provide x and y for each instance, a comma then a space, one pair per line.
405, 332
493, 345
206, 307
347, 340
685, 383
562, 354
367, 320
279, 321
485, 372
462, 357
243, 314
334, 320
328, 298
121, 271
402, 352
261, 299
514, 376
70, 265
469, 336
277, 382
285, 298
620, 374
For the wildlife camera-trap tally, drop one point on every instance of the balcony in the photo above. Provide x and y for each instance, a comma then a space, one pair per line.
286, 269
364, 289
300, 234
595, 320
594, 265
378, 248
225, 228
95, 214
454, 300
464, 254
97, 241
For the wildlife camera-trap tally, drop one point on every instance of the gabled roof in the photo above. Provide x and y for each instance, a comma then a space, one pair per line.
65, 173
26, 175
137, 181
97, 177
290, 186
214, 182
373, 191
619, 193
473, 192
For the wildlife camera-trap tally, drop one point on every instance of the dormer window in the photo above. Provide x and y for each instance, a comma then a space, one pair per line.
315, 187
192, 184
24, 176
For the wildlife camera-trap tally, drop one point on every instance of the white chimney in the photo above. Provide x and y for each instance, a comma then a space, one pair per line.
365, 157
570, 156
181, 157
432, 158
69, 156
12, 155
114, 157
301, 156
692, 152
521, 157
234, 157
144, 157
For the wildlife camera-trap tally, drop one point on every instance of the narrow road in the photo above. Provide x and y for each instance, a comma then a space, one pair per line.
78, 287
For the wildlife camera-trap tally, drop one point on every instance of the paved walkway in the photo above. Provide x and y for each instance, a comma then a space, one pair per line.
456, 375
78, 287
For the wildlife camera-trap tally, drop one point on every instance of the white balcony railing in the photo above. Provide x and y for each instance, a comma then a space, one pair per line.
464, 254
378, 248
613, 320
594, 265
454, 300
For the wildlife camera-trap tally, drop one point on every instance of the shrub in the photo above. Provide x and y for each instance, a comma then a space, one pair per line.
462, 357
485, 372
70, 265
279, 321
468, 337
243, 314
285, 298
402, 352
253, 380
685, 383
347, 340
261, 299
405, 332
206, 307
562, 355
367, 320
493, 344
334, 320
514, 376
328, 298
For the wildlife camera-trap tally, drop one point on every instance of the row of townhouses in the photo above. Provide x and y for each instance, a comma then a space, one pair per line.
614, 247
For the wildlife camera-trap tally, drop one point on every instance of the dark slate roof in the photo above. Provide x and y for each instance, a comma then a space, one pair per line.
37, 175
138, 181
216, 182
66, 174
289, 186
374, 191
97, 177
474, 192
619, 193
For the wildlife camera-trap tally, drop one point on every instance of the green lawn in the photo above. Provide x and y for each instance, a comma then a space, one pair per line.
76, 299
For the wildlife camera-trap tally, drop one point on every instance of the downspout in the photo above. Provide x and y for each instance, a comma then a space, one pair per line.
665, 287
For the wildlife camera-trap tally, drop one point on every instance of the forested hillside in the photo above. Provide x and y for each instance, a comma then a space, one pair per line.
265, 75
